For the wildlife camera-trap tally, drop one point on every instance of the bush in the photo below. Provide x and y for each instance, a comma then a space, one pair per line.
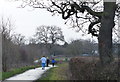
87, 68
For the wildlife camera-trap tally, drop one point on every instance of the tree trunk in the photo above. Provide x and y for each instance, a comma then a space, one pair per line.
4, 53
105, 34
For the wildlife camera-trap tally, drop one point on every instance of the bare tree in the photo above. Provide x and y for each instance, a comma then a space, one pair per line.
10, 51
79, 47
99, 13
32, 40
49, 34
18, 39
5, 30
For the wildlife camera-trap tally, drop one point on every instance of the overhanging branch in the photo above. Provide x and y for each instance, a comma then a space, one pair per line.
91, 29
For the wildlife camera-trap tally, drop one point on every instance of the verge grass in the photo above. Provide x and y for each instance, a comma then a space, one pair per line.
5, 75
56, 73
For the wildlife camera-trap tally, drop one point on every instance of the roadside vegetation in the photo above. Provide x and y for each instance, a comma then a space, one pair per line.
16, 53
83, 68
13, 72
57, 73
89, 68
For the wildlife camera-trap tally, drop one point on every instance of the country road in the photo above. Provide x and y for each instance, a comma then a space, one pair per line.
29, 75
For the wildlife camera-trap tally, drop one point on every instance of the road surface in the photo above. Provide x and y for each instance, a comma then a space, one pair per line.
29, 76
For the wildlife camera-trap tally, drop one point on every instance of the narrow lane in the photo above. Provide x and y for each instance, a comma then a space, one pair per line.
31, 75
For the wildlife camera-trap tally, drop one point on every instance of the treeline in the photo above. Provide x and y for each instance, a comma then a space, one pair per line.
16, 53
12, 47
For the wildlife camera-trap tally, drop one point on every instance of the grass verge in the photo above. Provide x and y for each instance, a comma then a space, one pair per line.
13, 72
56, 73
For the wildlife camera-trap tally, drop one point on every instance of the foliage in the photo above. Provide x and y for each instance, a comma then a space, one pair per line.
87, 68
17, 54
12, 44
13, 72
79, 47
57, 73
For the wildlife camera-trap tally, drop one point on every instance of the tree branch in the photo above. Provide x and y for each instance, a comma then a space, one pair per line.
91, 29
82, 9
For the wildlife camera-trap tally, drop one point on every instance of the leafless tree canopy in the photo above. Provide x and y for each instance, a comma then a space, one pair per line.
48, 34
18, 39
98, 14
75, 12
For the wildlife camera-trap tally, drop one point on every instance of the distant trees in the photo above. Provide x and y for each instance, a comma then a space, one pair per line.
47, 37
15, 53
99, 13
48, 34
79, 47
74, 48
18, 39
11, 56
5, 30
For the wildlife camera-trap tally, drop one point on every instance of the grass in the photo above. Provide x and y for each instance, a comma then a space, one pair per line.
0, 75
13, 72
56, 73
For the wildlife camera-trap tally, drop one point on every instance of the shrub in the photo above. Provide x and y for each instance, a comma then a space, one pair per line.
87, 68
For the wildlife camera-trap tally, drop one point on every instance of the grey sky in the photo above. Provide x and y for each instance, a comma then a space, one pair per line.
26, 20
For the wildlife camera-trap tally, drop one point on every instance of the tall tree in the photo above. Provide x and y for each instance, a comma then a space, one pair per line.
5, 31
18, 39
49, 34
99, 13
105, 32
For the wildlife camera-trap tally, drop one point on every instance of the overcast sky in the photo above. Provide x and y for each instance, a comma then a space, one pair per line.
26, 20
